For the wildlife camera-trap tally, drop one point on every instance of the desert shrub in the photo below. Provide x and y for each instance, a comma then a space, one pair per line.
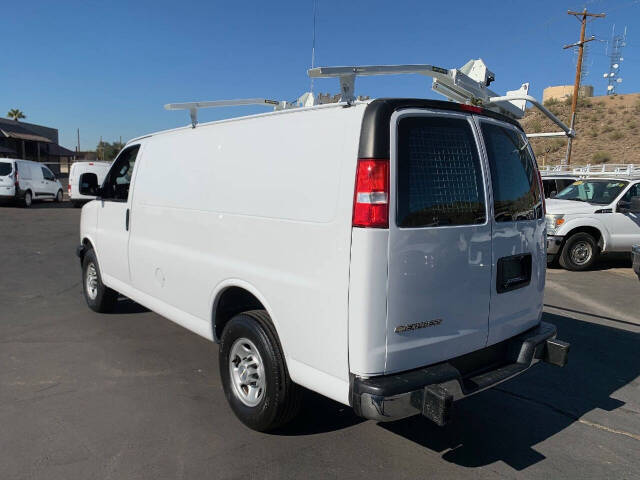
535, 125
551, 102
593, 133
616, 135
601, 157
607, 128
556, 145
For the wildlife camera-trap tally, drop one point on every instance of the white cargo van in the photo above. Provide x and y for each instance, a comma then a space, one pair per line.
389, 254
93, 169
24, 181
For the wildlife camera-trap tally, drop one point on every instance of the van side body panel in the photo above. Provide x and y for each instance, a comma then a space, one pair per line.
266, 200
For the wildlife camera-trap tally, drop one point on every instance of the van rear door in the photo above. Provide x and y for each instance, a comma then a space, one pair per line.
6, 175
519, 254
439, 240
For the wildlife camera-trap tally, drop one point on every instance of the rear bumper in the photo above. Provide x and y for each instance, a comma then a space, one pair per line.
431, 391
635, 252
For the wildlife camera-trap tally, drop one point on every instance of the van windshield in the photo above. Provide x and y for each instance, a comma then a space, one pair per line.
5, 169
601, 192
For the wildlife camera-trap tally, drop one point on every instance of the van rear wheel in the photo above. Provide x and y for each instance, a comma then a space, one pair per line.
99, 297
254, 375
28, 199
579, 253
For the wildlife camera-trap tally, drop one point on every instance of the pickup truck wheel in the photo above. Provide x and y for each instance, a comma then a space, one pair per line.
99, 297
254, 375
579, 252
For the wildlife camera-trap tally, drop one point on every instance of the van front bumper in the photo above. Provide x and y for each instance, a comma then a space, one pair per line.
431, 391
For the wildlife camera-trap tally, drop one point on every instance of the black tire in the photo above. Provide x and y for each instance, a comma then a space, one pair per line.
103, 299
27, 200
579, 252
59, 196
280, 399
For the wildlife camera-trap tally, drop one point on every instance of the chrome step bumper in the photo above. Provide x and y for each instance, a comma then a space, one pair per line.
431, 391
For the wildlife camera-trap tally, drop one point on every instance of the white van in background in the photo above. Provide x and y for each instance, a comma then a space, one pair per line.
97, 169
24, 181
394, 266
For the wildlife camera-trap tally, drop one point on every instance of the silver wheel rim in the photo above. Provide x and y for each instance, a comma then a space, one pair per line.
581, 253
246, 372
92, 281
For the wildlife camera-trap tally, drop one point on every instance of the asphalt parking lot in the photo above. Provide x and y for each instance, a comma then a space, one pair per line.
131, 395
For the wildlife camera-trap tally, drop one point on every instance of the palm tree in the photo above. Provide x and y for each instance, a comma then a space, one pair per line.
16, 114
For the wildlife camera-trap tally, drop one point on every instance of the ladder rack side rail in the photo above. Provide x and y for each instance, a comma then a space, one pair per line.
568, 131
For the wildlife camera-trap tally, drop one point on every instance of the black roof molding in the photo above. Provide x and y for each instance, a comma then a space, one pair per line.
374, 135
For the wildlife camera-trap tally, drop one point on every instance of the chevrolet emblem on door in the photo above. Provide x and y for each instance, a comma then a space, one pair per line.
415, 326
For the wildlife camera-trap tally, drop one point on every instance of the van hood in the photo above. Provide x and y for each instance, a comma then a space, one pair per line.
558, 207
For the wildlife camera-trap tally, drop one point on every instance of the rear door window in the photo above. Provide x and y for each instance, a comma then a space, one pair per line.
439, 174
5, 169
516, 192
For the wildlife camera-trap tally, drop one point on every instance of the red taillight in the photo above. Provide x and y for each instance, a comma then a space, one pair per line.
470, 108
544, 205
371, 199
69, 187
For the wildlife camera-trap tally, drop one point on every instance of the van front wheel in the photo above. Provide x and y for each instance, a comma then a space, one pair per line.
579, 252
254, 375
99, 297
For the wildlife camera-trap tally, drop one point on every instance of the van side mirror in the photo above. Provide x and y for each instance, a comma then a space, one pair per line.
635, 205
88, 185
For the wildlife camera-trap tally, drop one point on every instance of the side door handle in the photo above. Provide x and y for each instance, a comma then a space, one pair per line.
127, 220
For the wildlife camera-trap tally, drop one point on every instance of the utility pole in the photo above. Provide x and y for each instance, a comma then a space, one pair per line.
576, 86
78, 140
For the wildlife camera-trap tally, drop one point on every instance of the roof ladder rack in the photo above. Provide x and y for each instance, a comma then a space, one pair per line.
468, 84
194, 106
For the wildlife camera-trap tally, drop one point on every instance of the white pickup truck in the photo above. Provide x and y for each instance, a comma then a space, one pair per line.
593, 216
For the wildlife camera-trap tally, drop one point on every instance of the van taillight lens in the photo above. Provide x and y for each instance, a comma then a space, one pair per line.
371, 199
69, 187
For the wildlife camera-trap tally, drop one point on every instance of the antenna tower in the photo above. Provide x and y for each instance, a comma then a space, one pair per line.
615, 61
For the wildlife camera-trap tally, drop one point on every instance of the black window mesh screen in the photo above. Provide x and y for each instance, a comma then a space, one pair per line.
439, 175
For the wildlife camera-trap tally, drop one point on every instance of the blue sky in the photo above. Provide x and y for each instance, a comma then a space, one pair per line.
109, 67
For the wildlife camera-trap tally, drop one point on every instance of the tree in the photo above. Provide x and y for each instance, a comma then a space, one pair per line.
108, 151
16, 114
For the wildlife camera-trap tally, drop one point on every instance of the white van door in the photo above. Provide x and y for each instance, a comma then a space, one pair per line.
113, 217
49, 183
623, 224
519, 250
439, 240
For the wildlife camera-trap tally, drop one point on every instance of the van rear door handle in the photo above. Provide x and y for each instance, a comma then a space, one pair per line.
127, 220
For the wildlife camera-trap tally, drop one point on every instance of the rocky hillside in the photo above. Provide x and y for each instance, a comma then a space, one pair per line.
608, 130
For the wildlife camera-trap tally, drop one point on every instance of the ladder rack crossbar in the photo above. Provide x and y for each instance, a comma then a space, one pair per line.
628, 170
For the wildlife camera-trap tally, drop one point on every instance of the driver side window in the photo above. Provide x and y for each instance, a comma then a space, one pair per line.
116, 184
